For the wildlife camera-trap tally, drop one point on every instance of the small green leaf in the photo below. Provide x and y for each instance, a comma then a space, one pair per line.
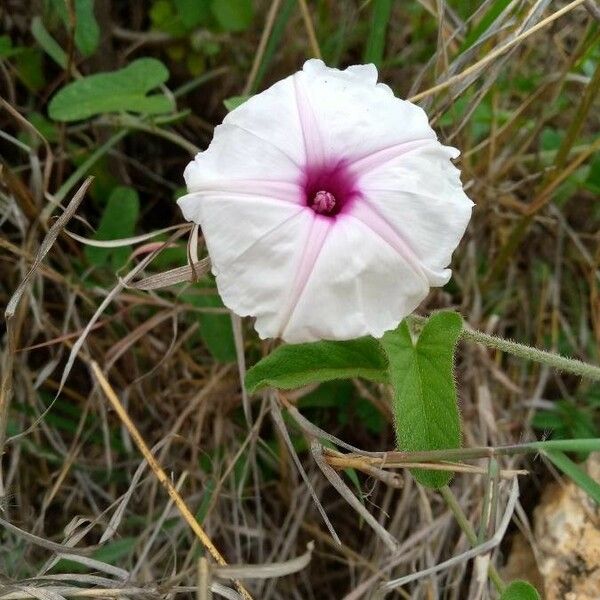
235, 101
7, 49
480, 28
380, 18
48, 43
118, 221
233, 15
192, 12
112, 553
87, 31
278, 32
295, 365
215, 330
425, 402
29, 66
520, 590
122, 90
592, 181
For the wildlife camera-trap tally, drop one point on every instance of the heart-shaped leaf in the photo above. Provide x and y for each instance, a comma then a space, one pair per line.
123, 90
295, 365
425, 403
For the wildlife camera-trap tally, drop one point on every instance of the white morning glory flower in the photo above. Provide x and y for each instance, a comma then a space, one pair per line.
328, 206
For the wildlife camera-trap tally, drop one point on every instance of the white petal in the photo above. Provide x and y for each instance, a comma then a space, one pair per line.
420, 196
233, 224
236, 154
359, 285
259, 280
366, 74
354, 115
273, 116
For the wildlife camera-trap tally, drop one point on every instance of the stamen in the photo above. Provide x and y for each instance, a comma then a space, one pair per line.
323, 202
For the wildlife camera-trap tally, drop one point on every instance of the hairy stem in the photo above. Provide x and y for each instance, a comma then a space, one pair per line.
556, 361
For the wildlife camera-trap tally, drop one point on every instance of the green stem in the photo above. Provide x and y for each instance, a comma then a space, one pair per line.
468, 530
556, 361
490, 500
79, 173
139, 124
456, 454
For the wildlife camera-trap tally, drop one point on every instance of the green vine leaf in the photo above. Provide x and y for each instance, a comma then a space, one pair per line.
116, 91
425, 403
294, 365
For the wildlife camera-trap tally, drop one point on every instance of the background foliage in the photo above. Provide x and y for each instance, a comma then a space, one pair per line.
128, 92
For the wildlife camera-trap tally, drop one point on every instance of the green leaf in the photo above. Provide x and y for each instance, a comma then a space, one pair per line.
29, 65
217, 333
6, 47
192, 12
292, 366
379, 24
233, 15
112, 553
520, 590
207, 499
277, 34
48, 43
118, 221
122, 90
592, 181
235, 101
489, 17
216, 330
576, 473
425, 402
87, 31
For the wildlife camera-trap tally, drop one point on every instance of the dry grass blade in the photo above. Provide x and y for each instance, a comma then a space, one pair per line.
39, 541
268, 571
277, 417
109, 298
317, 432
119, 511
344, 491
13, 303
27, 125
40, 593
47, 243
310, 29
495, 53
469, 554
123, 241
187, 273
262, 46
27, 592
160, 474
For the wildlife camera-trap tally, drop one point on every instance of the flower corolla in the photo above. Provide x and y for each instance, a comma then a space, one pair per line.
328, 206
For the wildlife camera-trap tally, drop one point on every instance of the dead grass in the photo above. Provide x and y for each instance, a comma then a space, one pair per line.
82, 513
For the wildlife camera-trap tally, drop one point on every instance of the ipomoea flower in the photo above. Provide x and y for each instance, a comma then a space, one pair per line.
328, 206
